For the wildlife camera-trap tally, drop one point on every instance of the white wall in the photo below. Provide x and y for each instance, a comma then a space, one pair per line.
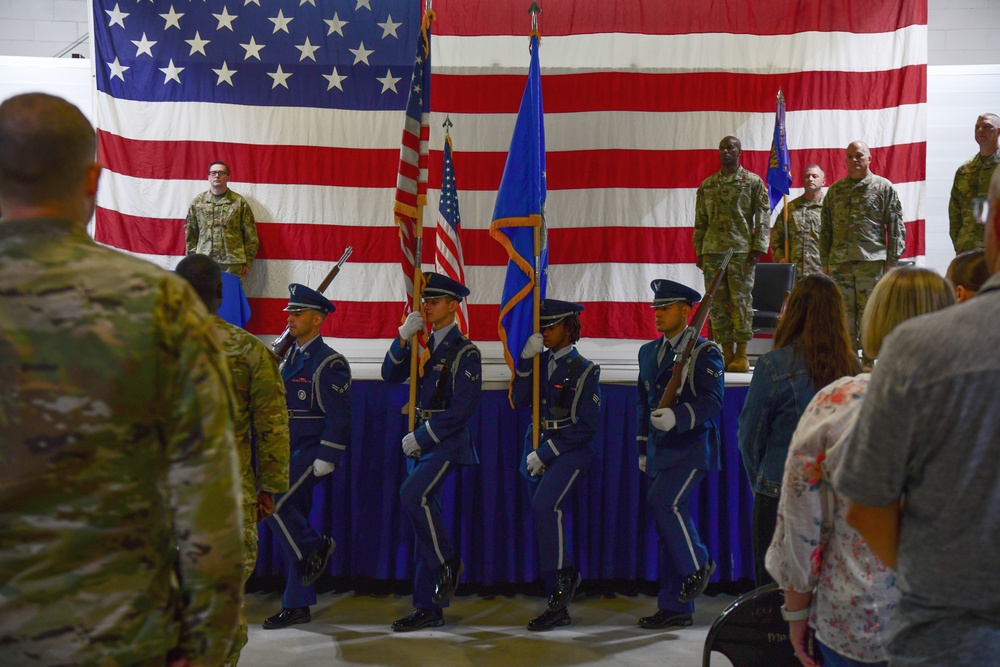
43, 27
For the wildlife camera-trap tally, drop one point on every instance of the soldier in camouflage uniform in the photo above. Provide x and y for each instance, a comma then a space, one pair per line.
220, 224
861, 233
732, 211
803, 226
972, 180
261, 425
120, 539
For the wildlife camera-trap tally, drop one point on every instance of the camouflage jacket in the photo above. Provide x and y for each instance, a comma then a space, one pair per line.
862, 221
222, 228
731, 212
971, 180
261, 413
803, 235
120, 531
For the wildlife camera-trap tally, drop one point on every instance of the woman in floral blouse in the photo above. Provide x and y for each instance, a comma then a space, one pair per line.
823, 565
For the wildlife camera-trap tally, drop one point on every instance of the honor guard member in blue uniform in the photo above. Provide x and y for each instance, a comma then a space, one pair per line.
676, 447
317, 385
447, 393
570, 415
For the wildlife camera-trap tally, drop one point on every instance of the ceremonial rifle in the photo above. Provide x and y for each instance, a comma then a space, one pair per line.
284, 341
688, 339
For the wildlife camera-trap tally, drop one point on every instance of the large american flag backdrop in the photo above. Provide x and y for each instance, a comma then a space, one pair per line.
304, 99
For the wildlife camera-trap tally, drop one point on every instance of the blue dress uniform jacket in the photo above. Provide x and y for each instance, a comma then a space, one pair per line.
567, 429
444, 415
317, 384
694, 442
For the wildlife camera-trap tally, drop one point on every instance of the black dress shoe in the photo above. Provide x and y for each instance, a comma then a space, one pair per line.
567, 581
550, 619
663, 619
447, 580
287, 617
696, 582
420, 618
316, 562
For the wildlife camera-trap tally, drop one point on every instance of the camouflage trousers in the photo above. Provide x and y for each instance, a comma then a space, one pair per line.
249, 560
856, 281
732, 310
235, 269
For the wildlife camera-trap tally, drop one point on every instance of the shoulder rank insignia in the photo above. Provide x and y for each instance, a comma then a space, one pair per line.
715, 373
597, 399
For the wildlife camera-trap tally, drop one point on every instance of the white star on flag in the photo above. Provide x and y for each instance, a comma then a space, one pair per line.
361, 54
279, 78
307, 50
224, 74
334, 80
311, 2
252, 49
117, 16
336, 25
364, 3
256, 2
225, 19
389, 28
171, 72
117, 69
144, 46
197, 44
172, 18
280, 22
388, 81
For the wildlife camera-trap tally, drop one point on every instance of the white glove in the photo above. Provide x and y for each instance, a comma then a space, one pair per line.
642, 463
533, 346
664, 419
410, 446
535, 465
322, 468
413, 323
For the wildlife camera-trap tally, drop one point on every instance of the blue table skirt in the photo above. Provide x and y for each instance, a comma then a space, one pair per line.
488, 506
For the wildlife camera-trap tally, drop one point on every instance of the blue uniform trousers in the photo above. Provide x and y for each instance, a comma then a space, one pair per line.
550, 521
298, 539
681, 550
421, 498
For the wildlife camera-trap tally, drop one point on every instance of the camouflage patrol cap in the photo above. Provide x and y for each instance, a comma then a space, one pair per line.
301, 297
552, 311
437, 285
666, 292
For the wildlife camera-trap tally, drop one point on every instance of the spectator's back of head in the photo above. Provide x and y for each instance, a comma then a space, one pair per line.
205, 277
967, 272
47, 151
815, 319
901, 294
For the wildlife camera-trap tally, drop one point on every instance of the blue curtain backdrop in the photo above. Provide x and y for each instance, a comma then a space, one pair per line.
488, 506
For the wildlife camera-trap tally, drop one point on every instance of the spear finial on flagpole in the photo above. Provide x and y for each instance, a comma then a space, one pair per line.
447, 124
781, 98
534, 10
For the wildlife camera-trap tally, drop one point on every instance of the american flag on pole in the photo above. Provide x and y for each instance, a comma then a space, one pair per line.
448, 258
305, 101
411, 184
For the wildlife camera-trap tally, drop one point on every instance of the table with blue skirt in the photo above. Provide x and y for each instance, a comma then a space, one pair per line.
488, 507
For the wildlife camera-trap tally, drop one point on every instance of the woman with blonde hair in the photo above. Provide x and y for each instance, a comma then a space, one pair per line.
833, 582
811, 349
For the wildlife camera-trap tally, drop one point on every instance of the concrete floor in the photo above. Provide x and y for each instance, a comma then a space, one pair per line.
354, 630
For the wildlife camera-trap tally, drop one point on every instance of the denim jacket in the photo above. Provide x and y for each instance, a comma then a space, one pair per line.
779, 392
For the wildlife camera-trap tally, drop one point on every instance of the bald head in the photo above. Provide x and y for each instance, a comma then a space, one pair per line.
858, 159
730, 150
47, 151
988, 133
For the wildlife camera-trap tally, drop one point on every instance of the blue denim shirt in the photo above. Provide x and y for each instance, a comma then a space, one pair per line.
779, 392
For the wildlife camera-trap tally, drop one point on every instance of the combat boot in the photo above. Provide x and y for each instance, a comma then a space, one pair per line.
727, 354
739, 363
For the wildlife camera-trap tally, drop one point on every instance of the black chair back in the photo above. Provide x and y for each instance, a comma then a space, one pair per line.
772, 281
751, 632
